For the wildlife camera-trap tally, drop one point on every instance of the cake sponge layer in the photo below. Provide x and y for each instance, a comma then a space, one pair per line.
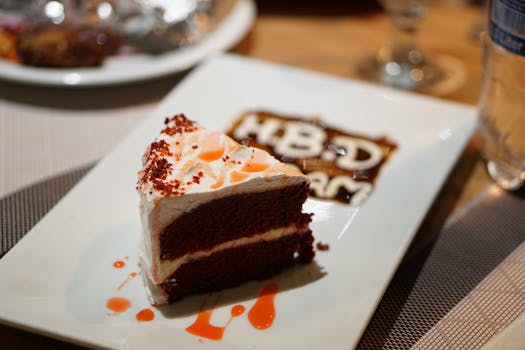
231, 267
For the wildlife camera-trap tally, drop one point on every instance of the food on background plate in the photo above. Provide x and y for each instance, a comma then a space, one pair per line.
70, 34
216, 213
66, 46
7, 45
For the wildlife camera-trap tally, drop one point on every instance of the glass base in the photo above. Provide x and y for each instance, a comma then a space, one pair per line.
401, 72
505, 178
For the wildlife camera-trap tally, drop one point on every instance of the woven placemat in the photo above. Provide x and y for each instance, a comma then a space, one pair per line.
429, 283
20, 211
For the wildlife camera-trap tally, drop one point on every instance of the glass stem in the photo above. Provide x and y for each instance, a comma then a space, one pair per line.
403, 48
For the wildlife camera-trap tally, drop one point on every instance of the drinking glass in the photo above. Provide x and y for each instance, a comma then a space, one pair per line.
401, 64
502, 116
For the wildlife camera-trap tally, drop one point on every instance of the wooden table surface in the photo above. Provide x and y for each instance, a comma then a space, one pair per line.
333, 37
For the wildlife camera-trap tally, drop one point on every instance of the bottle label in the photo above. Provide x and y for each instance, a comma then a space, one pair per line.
507, 24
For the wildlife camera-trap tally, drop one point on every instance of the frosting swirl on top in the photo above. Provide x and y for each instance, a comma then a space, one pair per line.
187, 158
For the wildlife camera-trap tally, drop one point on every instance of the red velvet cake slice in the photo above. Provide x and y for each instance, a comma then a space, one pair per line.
216, 213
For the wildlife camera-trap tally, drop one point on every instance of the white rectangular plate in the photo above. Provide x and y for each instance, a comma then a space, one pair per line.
57, 279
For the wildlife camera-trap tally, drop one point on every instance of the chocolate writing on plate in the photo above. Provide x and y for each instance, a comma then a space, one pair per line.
341, 165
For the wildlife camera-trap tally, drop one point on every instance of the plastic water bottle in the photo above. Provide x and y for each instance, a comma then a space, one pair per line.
502, 98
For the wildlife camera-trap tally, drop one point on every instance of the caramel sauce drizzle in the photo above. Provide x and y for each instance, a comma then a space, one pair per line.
202, 326
145, 315
262, 314
118, 264
131, 275
118, 305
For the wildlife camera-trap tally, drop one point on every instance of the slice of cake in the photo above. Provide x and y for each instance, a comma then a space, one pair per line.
216, 213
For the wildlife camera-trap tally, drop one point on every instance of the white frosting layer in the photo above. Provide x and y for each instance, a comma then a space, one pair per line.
188, 166
200, 160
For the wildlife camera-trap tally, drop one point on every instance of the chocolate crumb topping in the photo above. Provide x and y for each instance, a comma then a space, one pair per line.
178, 124
196, 179
159, 148
158, 169
322, 246
156, 158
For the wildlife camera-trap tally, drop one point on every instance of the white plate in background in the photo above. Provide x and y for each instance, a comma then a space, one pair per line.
57, 279
132, 68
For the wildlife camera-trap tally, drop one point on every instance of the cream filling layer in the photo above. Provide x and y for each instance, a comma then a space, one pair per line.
167, 268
